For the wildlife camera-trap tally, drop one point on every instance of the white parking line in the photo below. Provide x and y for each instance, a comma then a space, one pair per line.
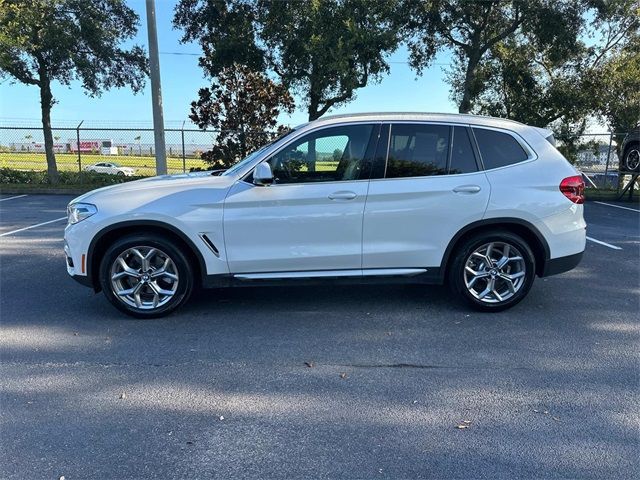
618, 206
600, 242
32, 226
11, 198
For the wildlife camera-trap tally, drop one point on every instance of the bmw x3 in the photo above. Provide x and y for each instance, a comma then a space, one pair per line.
482, 204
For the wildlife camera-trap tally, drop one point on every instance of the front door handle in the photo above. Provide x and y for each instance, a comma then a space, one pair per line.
342, 195
467, 189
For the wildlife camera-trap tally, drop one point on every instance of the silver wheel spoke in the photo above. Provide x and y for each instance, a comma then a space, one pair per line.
489, 250
146, 260
487, 290
496, 294
137, 253
159, 290
163, 273
131, 291
127, 271
484, 258
514, 276
509, 282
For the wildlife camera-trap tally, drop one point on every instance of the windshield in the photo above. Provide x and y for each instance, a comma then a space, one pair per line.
238, 166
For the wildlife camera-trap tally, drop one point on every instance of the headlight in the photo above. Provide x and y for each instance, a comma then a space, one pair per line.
77, 212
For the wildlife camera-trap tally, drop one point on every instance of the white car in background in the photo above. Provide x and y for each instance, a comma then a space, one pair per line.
110, 168
482, 204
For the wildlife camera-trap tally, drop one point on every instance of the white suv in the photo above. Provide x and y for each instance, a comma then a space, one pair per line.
483, 203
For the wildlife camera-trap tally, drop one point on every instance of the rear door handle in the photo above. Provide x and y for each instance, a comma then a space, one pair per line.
342, 195
467, 189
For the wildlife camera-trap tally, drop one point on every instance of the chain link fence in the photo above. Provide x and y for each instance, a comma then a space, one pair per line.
130, 150
80, 149
597, 156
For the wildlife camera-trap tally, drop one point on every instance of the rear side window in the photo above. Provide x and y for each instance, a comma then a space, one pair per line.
498, 149
418, 150
463, 159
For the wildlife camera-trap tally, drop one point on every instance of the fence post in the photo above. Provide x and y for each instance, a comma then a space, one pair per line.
184, 160
78, 148
606, 168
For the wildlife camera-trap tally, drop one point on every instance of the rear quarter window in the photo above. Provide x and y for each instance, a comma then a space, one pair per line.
498, 149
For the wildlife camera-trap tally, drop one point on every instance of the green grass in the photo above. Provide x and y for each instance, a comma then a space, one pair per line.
145, 166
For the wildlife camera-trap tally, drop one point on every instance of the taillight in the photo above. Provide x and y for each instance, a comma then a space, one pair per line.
573, 188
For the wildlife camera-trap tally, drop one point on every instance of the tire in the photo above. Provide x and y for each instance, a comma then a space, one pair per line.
511, 281
154, 291
120, 173
631, 161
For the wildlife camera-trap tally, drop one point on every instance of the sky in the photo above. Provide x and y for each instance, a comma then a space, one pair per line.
181, 77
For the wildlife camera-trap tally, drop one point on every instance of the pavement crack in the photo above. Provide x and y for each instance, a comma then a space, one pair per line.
395, 365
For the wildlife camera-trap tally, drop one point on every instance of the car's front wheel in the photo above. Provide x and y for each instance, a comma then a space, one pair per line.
493, 271
146, 276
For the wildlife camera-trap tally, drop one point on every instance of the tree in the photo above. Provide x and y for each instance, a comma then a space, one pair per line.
619, 96
243, 106
620, 103
323, 50
472, 30
561, 87
65, 40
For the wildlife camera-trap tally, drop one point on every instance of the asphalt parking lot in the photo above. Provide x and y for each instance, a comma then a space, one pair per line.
549, 389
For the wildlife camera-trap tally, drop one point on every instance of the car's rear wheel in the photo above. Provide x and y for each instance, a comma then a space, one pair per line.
145, 276
493, 271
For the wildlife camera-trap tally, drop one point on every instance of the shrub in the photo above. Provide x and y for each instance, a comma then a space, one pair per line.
8, 175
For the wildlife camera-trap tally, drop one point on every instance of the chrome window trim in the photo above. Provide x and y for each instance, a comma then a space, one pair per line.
531, 153
428, 122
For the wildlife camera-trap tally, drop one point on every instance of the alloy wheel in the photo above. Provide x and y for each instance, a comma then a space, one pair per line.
494, 272
144, 277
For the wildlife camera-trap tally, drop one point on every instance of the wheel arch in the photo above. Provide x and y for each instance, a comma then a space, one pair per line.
107, 235
522, 228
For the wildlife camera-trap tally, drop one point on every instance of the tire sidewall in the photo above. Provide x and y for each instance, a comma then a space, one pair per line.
185, 273
456, 274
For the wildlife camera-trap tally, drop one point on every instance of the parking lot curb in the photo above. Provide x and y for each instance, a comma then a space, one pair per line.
20, 190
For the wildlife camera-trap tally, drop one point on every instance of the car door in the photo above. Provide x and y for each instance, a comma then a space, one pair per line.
429, 186
310, 218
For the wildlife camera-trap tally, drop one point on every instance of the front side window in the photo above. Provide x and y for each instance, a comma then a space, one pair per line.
498, 149
418, 150
328, 155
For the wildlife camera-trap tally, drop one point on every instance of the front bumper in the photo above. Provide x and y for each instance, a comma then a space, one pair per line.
75, 249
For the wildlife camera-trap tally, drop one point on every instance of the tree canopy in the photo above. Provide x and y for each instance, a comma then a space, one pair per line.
474, 30
66, 40
323, 50
243, 106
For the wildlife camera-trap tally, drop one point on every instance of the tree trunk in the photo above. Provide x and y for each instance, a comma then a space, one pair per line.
469, 78
46, 102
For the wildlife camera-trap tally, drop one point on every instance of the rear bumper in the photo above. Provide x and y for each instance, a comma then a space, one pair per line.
561, 264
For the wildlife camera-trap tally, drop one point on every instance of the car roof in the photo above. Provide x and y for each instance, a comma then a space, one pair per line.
418, 116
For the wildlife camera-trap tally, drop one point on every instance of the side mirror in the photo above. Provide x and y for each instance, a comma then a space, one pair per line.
262, 174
